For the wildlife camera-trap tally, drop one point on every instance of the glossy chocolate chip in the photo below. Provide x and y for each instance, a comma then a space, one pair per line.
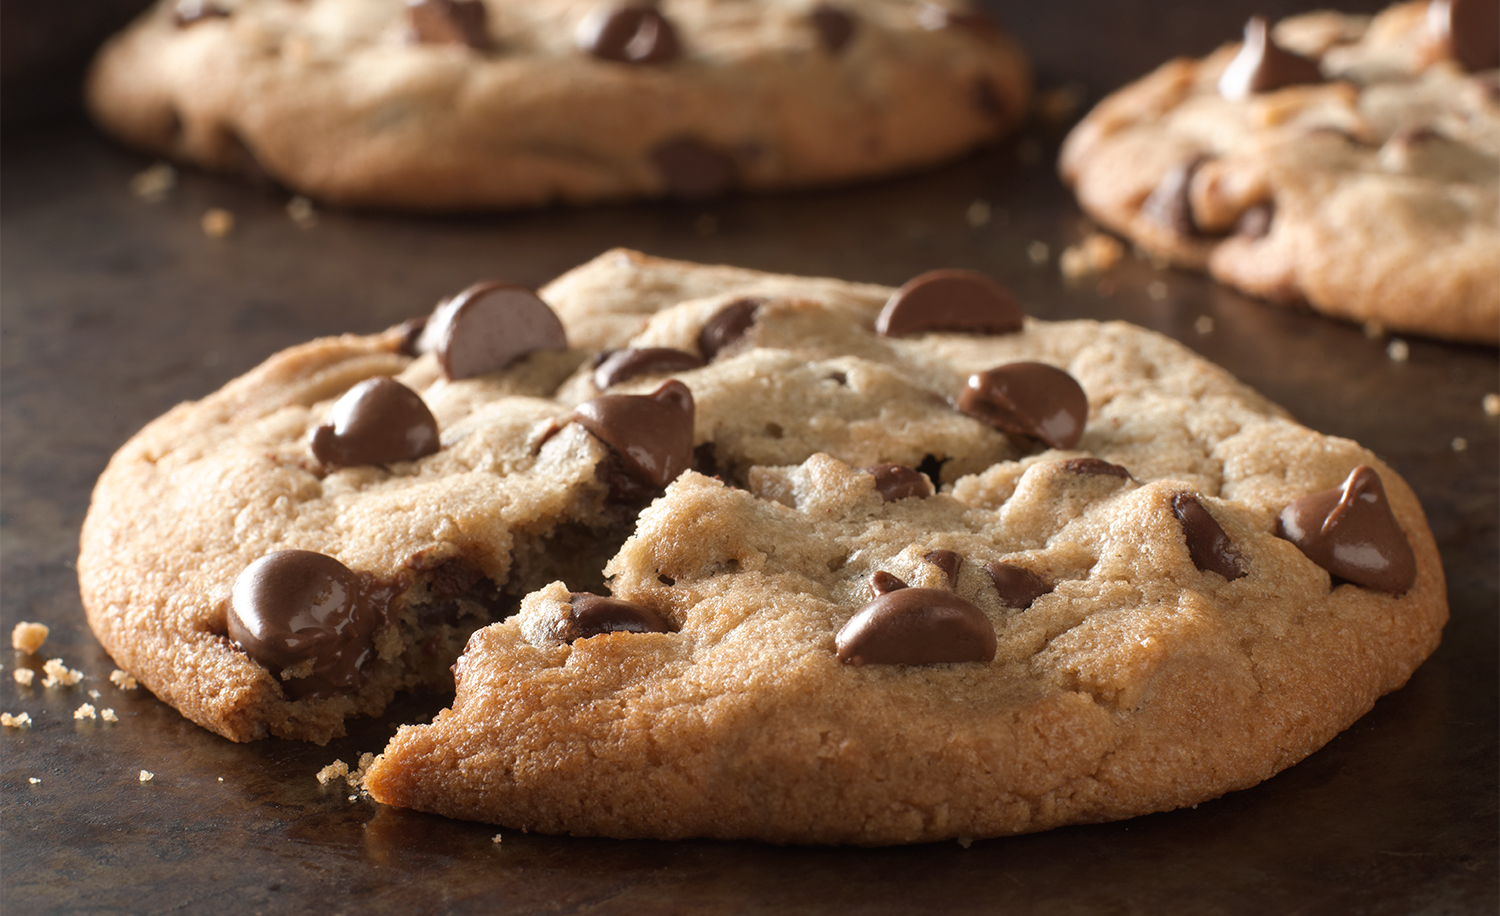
1095, 467
1028, 399
594, 615
1469, 30
411, 335
295, 606
1017, 586
835, 26
949, 562
489, 326
378, 421
617, 366
1208, 545
1351, 532
188, 12
882, 582
961, 301
1264, 66
916, 626
628, 34
897, 481
448, 22
1170, 204
652, 434
1255, 222
728, 326
692, 170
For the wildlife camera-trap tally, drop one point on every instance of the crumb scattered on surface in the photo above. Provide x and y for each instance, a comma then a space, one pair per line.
336, 770
354, 798
1204, 324
85, 711
1398, 351
24, 676
93, 694
1492, 405
19, 720
58, 673
217, 223
978, 214
108, 715
1460, 444
28, 637
1038, 252
122, 680
495, 838
354, 778
153, 184
147, 775
1156, 290
300, 209
1095, 254
34, 781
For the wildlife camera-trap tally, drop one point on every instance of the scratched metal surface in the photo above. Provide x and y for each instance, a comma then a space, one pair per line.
112, 310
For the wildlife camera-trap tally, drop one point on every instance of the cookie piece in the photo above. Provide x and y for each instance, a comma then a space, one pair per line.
1349, 162
471, 104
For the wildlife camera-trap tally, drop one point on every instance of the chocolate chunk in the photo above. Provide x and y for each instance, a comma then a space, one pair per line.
628, 34
1170, 204
448, 22
882, 582
594, 615
1207, 543
1264, 66
1351, 532
652, 434
916, 626
452, 577
489, 326
295, 606
1255, 222
1095, 467
620, 365
897, 481
835, 27
960, 301
949, 562
1017, 586
378, 421
188, 12
1028, 399
411, 335
1468, 30
692, 170
727, 326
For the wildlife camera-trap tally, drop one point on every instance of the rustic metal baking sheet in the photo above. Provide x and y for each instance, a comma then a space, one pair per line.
113, 309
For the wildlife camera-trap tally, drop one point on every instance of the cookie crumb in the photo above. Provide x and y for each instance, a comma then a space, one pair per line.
1038, 252
1156, 290
706, 224
1398, 351
153, 183
1492, 405
108, 715
354, 798
978, 214
19, 720
147, 775
93, 694
1095, 254
300, 209
336, 770
217, 223
1060, 104
86, 711
24, 676
1460, 444
28, 637
122, 680
59, 673
34, 781
1204, 324
495, 839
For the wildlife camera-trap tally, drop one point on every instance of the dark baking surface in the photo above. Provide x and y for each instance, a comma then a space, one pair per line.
114, 309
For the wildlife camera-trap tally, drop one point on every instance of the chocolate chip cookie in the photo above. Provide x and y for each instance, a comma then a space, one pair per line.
469, 104
725, 553
1349, 162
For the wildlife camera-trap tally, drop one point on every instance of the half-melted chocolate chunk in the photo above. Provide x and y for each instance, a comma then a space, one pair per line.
1208, 544
1170, 203
378, 421
1264, 66
594, 615
489, 326
296, 608
897, 481
449, 22
949, 562
616, 366
959, 301
728, 326
1028, 399
633, 33
1351, 532
915, 626
1468, 30
1017, 586
651, 434
1095, 467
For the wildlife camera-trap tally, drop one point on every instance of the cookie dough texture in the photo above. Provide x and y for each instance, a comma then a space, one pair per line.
1382, 184
336, 100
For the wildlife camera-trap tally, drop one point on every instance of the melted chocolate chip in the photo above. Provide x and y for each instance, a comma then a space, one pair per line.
448, 22
1095, 467
652, 434
1264, 66
628, 34
1255, 222
617, 366
916, 626
188, 12
452, 577
594, 615
728, 326
1351, 532
882, 582
961, 301
692, 170
1028, 399
378, 421
1207, 543
897, 481
835, 27
489, 326
293, 606
1170, 204
1017, 586
1469, 30
949, 562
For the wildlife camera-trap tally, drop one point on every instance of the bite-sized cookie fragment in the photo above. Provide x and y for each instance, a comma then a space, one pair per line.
1349, 162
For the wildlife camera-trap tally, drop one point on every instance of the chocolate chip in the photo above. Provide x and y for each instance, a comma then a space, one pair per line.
1017, 586
489, 326
594, 615
1095, 467
188, 12
882, 582
411, 335
452, 577
897, 481
959, 301
1264, 66
727, 326
1028, 399
1469, 30
293, 606
1351, 532
652, 434
692, 170
835, 27
1170, 204
916, 626
949, 562
1255, 222
628, 34
1207, 543
450, 22
378, 421
620, 365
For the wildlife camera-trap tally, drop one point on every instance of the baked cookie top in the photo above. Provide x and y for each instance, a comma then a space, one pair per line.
466, 104
1348, 161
